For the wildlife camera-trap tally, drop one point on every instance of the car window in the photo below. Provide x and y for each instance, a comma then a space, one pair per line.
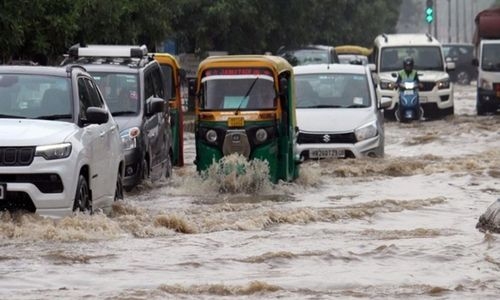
95, 99
332, 90
35, 96
168, 75
159, 85
84, 98
120, 91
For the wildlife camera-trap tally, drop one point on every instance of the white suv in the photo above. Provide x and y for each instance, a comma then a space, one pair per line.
436, 94
60, 149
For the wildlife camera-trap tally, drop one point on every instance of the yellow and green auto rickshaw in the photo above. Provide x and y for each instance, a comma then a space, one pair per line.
172, 71
246, 104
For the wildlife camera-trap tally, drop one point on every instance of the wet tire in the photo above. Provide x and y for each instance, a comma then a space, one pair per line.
119, 187
144, 169
463, 78
83, 201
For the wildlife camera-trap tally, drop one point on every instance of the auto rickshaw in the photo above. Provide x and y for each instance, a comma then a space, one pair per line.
172, 74
353, 49
246, 104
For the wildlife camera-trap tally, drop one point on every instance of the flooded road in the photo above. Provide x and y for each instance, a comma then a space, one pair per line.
401, 227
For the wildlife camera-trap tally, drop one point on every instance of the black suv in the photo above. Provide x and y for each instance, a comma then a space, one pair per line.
135, 91
461, 55
308, 55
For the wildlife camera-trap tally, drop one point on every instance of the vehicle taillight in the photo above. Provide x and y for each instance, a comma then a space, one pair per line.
496, 87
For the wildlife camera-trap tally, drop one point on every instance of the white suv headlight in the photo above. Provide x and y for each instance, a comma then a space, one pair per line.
56, 151
387, 85
366, 131
129, 138
443, 84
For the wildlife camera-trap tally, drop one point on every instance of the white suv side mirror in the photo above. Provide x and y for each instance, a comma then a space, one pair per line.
385, 102
372, 67
450, 66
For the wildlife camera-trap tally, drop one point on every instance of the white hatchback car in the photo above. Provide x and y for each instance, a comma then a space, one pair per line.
60, 149
338, 114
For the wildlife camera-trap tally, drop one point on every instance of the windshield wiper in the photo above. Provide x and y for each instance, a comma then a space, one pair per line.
54, 117
11, 117
123, 113
356, 106
325, 106
246, 95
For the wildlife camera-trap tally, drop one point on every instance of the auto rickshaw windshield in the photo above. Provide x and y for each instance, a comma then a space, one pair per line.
238, 92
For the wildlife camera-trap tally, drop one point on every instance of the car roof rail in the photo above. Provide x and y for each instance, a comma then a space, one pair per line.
429, 36
70, 67
386, 38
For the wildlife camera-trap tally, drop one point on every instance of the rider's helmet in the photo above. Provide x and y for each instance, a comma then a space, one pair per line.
408, 64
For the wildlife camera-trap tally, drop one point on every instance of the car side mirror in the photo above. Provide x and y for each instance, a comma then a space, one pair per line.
373, 67
395, 75
385, 102
155, 105
475, 62
450, 66
96, 115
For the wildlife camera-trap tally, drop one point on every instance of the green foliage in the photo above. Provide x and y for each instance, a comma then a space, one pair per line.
48, 27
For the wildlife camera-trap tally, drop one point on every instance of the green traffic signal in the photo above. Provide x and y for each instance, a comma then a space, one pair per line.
429, 14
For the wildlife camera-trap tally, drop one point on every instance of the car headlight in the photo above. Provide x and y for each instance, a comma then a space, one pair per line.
443, 84
129, 138
387, 85
485, 84
366, 131
261, 135
56, 151
211, 136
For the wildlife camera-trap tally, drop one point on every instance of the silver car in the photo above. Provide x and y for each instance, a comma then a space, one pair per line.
338, 114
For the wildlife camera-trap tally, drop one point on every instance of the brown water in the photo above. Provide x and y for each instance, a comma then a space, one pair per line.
402, 227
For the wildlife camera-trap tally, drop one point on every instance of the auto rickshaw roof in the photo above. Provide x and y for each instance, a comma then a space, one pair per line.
276, 63
166, 58
353, 49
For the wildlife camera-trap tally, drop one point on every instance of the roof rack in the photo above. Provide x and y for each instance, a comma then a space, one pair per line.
386, 39
123, 51
429, 36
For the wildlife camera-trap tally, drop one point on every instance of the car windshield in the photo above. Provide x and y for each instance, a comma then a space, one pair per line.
35, 97
307, 56
424, 57
333, 90
238, 92
120, 90
490, 59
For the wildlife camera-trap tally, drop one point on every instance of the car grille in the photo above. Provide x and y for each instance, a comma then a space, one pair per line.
335, 138
46, 183
16, 156
427, 86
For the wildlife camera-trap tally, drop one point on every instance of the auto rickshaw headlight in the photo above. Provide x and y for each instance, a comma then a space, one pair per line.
211, 136
261, 135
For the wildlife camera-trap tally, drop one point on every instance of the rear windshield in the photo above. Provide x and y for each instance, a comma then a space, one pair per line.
120, 90
35, 97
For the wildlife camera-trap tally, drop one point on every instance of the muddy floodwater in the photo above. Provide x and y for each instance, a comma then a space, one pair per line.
401, 227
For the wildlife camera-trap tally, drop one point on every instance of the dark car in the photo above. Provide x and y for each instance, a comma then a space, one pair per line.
135, 91
461, 55
308, 55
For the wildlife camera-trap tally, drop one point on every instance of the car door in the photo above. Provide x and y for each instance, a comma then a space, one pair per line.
108, 169
153, 128
94, 144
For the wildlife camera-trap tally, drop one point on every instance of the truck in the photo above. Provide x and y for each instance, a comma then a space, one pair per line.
487, 60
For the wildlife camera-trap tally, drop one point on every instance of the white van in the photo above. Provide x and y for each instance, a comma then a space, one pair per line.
436, 94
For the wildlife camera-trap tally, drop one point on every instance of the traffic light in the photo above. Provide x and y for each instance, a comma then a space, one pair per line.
429, 12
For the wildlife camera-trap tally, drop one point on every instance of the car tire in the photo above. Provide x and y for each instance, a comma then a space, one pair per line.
144, 169
481, 111
463, 78
119, 187
83, 201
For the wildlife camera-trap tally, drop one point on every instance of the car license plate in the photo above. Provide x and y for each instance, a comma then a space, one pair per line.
3, 190
408, 92
422, 99
236, 122
326, 153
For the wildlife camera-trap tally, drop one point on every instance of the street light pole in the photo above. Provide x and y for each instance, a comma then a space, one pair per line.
457, 19
435, 20
449, 21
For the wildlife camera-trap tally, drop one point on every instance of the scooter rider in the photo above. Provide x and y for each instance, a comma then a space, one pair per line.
408, 74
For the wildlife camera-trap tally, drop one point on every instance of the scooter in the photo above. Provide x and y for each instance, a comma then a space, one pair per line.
409, 108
